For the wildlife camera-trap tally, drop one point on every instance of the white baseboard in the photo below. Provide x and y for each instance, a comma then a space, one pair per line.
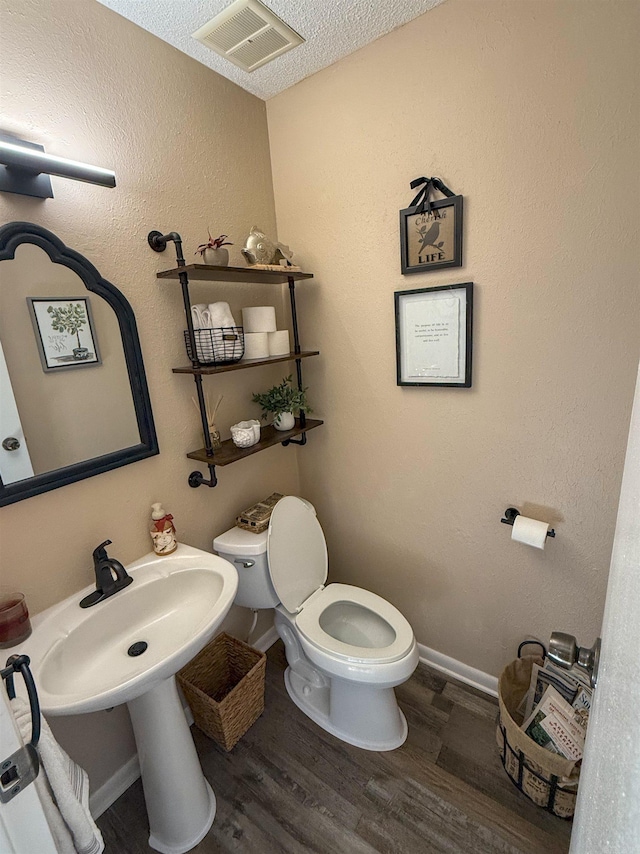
115, 786
458, 670
266, 640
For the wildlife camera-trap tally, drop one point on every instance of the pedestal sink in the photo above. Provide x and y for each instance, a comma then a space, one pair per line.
127, 649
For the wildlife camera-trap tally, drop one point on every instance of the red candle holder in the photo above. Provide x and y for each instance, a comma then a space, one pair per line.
15, 625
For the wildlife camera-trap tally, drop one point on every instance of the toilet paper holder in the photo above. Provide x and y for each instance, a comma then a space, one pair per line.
510, 517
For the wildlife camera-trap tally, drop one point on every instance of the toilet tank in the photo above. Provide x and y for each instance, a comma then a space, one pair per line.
248, 553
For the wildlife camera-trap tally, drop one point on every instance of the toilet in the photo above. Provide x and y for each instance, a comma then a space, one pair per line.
346, 647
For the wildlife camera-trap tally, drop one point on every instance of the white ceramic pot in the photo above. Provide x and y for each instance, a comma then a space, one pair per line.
245, 433
284, 421
216, 257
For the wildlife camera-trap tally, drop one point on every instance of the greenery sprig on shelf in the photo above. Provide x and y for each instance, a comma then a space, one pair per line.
284, 397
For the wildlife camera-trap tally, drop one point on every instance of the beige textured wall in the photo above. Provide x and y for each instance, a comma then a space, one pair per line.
190, 150
530, 110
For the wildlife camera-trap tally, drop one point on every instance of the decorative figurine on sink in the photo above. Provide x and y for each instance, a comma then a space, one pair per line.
163, 532
264, 254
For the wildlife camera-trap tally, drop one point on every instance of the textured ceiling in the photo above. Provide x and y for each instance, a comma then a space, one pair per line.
332, 29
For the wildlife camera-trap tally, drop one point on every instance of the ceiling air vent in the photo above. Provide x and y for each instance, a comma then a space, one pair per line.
248, 34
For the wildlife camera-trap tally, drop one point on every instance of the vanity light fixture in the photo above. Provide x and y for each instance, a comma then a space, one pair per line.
26, 167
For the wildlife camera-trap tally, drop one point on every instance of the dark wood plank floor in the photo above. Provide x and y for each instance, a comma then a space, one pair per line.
288, 786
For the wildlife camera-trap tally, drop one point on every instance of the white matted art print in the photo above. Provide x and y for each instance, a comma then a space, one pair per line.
64, 332
434, 329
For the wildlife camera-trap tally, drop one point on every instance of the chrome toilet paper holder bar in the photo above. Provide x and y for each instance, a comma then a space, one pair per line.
510, 517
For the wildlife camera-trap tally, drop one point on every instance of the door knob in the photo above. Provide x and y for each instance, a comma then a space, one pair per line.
10, 443
564, 651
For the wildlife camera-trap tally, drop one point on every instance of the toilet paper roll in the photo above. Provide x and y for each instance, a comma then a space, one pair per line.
531, 532
259, 318
279, 343
256, 345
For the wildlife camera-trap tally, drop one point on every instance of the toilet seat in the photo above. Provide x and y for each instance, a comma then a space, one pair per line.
365, 617
343, 624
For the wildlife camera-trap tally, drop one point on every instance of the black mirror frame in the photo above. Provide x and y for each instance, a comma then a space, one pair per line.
12, 235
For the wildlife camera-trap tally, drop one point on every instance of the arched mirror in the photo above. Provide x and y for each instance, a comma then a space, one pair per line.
74, 400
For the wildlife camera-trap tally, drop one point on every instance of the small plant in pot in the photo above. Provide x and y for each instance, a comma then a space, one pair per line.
212, 252
282, 401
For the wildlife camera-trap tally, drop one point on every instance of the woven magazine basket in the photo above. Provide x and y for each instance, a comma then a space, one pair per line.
547, 779
224, 686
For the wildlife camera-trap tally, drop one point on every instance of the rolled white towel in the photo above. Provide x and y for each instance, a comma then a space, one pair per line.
200, 316
220, 315
68, 816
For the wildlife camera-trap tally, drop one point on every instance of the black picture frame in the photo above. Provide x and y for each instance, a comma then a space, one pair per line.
415, 225
427, 327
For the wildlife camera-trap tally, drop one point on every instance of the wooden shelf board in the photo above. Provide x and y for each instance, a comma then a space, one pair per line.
269, 437
245, 363
209, 273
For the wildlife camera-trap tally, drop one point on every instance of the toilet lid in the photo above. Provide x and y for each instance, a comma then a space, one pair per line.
296, 551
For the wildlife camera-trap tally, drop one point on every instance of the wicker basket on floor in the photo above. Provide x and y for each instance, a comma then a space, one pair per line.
224, 686
547, 779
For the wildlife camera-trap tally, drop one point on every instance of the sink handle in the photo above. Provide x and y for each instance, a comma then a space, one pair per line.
100, 553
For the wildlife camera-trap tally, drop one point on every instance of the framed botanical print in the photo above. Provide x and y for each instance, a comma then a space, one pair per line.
64, 331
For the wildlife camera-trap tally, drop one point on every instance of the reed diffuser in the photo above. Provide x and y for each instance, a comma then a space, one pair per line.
214, 433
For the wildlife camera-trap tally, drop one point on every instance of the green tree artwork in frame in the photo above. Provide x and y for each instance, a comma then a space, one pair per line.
65, 332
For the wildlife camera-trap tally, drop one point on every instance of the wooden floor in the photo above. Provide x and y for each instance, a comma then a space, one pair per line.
288, 786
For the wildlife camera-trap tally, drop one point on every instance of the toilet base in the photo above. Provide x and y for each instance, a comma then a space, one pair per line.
362, 715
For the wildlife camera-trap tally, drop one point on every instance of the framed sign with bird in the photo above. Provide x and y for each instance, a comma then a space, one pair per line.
431, 231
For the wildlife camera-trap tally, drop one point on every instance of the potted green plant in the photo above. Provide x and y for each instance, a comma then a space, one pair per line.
282, 401
212, 251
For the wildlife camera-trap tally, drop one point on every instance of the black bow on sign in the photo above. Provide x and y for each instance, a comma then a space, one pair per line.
422, 201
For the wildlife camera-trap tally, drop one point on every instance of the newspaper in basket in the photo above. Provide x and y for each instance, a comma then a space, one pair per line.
217, 346
549, 780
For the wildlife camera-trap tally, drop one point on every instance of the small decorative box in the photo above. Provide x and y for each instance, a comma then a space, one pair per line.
256, 518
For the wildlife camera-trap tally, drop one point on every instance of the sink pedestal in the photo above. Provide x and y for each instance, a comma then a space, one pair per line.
180, 803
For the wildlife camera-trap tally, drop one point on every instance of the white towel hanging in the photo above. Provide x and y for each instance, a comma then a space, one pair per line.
64, 790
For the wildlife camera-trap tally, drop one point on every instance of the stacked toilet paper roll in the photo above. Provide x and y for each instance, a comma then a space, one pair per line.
256, 345
259, 318
279, 343
261, 337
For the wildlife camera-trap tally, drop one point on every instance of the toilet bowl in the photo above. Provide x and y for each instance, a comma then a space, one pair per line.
346, 647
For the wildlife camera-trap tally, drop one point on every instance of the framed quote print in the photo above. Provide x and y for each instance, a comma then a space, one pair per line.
434, 335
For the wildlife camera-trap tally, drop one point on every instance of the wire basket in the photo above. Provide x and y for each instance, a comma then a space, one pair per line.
218, 346
547, 779
224, 686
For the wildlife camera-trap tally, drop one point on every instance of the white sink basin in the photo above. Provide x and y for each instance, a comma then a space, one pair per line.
80, 662
175, 604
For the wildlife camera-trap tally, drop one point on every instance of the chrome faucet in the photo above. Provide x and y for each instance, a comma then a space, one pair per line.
111, 576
